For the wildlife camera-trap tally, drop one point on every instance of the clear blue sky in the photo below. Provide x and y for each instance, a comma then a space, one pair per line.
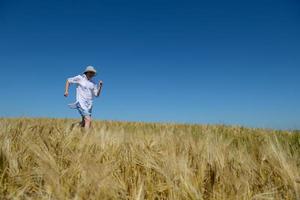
232, 62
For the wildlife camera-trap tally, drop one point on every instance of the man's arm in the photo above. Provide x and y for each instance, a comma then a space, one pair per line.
75, 79
99, 88
67, 88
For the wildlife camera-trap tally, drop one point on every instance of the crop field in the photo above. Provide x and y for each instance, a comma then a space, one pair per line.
53, 159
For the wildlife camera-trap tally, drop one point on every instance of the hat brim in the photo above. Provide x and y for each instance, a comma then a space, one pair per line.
90, 71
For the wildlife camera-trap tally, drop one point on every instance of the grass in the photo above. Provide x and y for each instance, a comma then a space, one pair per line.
48, 159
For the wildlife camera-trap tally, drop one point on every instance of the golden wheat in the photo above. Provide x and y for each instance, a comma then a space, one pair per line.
51, 159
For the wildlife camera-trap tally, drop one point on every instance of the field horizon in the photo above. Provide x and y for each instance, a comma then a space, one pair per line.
294, 130
52, 158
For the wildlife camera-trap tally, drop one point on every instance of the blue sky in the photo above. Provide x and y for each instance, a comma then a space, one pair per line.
232, 62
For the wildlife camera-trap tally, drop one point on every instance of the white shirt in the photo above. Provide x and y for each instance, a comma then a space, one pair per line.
86, 90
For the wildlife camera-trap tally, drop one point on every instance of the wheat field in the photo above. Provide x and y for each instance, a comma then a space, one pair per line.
52, 159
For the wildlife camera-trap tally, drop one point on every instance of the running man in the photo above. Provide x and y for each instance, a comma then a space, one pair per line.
86, 90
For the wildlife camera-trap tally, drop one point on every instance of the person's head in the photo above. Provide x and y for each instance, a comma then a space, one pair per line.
90, 72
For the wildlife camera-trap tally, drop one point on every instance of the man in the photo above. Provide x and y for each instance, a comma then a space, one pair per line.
86, 90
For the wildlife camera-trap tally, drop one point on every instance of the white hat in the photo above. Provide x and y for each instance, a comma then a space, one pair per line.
90, 69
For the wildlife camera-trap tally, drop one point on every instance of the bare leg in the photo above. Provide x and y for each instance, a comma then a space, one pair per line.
87, 122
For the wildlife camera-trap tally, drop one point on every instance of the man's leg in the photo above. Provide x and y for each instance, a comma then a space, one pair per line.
82, 123
87, 122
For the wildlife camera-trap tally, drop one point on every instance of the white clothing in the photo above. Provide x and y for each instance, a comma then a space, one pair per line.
86, 90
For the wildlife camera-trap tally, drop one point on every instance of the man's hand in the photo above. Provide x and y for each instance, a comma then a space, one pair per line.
100, 83
66, 94
99, 88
